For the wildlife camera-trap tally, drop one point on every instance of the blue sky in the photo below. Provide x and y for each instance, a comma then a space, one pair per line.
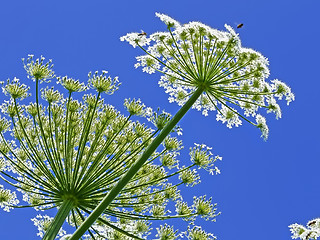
263, 186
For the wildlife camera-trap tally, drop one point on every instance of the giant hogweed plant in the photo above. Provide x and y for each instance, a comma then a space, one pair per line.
68, 154
100, 168
205, 69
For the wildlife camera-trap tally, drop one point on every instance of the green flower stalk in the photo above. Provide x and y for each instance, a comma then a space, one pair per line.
68, 154
208, 70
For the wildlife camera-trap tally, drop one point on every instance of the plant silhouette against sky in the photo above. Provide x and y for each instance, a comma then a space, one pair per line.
105, 171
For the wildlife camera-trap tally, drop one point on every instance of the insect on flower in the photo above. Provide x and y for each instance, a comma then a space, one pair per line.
312, 222
240, 25
142, 33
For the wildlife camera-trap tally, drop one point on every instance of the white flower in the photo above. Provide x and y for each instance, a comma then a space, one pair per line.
311, 232
228, 116
135, 38
37, 69
281, 90
194, 56
43, 223
216, 170
262, 125
168, 20
8, 199
274, 107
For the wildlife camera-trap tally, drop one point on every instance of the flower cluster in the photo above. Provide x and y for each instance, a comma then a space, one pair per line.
202, 157
102, 83
68, 153
312, 231
196, 233
205, 208
134, 107
37, 69
50, 95
166, 232
195, 56
15, 89
8, 199
43, 223
71, 84
160, 119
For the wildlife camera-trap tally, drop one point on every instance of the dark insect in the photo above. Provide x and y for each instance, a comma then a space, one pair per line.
240, 25
142, 34
312, 222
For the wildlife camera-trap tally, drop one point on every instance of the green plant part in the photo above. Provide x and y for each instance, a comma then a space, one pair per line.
205, 69
68, 154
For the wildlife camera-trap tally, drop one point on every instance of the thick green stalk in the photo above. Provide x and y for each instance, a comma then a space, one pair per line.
135, 167
59, 219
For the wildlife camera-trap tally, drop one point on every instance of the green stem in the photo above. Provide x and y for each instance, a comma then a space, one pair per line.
135, 167
59, 219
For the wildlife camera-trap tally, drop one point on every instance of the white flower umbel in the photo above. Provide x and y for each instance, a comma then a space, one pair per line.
168, 20
37, 69
311, 232
68, 154
196, 233
43, 223
195, 56
166, 232
202, 157
8, 199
